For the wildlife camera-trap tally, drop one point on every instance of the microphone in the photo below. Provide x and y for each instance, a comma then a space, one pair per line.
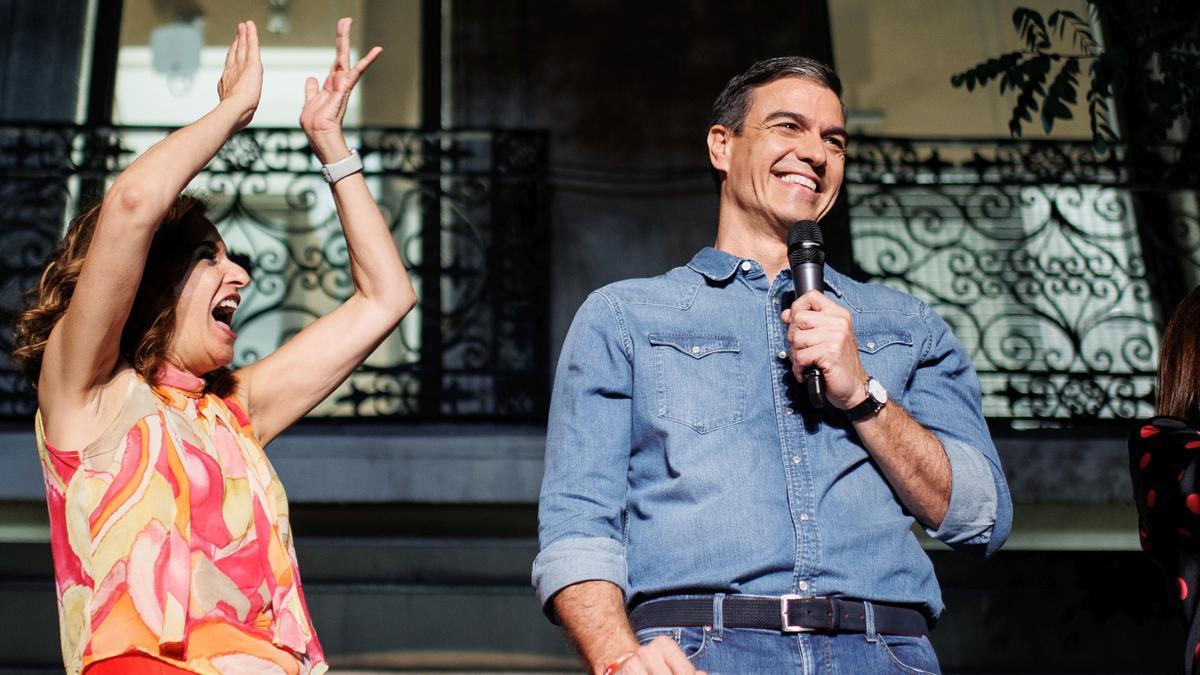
807, 260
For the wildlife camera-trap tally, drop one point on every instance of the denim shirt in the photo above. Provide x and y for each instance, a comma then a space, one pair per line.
682, 456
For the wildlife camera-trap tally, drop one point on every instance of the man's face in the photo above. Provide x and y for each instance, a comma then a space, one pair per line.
788, 161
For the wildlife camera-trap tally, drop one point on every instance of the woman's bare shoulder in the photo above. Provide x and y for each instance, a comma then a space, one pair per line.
73, 424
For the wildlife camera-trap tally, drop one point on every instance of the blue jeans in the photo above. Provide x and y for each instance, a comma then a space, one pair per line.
752, 651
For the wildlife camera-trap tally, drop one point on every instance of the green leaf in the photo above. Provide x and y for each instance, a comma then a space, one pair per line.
1034, 71
1082, 38
1012, 79
1060, 93
987, 71
1150, 62
1031, 28
1097, 98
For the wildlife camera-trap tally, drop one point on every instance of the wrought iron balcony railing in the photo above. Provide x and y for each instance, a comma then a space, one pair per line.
466, 209
1054, 262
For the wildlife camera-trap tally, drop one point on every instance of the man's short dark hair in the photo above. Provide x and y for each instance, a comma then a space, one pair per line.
729, 110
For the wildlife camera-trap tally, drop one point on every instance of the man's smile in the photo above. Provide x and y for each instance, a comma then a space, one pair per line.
798, 179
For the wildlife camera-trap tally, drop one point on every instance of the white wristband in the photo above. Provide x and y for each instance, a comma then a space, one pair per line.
335, 171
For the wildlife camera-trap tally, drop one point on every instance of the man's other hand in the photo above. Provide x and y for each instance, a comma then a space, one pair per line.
660, 656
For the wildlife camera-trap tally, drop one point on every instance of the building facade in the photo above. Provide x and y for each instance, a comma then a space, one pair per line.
528, 152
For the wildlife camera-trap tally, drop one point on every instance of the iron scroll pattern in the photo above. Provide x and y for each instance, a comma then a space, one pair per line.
1034, 253
466, 210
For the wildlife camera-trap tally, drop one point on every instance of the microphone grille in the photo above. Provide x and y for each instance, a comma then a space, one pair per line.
805, 243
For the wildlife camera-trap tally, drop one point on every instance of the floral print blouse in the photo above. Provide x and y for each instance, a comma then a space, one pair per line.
170, 538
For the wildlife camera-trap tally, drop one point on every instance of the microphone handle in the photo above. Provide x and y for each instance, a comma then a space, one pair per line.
808, 277
816, 387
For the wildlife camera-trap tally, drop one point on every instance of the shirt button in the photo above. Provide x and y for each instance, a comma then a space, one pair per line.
746, 265
789, 411
803, 516
695, 349
803, 585
796, 460
782, 356
870, 345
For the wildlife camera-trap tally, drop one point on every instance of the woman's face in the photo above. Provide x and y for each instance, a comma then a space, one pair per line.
204, 306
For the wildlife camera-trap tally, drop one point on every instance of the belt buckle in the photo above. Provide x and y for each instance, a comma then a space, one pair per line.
783, 615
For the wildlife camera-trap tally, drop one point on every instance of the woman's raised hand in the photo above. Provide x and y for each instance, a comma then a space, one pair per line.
281, 387
325, 105
241, 81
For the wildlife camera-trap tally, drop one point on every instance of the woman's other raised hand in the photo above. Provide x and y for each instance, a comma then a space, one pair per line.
325, 105
284, 385
241, 81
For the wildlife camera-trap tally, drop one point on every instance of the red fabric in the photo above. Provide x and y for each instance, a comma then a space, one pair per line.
133, 664
1164, 463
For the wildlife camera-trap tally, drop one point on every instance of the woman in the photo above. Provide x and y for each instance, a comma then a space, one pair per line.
1164, 455
169, 527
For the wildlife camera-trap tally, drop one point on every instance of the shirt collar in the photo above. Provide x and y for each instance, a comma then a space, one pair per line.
188, 384
717, 265
713, 264
834, 280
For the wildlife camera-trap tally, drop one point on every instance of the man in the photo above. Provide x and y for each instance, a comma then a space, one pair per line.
689, 479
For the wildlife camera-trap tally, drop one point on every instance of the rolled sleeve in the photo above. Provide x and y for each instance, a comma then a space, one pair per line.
570, 561
944, 395
581, 511
973, 501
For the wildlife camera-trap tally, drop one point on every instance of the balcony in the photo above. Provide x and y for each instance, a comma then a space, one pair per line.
466, 209
1053, 262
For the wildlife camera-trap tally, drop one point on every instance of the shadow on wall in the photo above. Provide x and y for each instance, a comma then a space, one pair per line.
626, 96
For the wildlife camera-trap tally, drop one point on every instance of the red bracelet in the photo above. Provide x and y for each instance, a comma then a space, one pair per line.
616, 665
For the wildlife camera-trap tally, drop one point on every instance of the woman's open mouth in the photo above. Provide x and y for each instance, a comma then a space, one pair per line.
223, 312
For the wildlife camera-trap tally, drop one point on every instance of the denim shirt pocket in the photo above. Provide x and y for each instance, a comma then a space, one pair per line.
699, 380
887, 355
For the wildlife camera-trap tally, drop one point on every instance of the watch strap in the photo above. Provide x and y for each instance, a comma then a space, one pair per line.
868, 407
335, 171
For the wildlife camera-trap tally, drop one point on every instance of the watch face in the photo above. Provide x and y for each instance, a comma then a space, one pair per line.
876, 391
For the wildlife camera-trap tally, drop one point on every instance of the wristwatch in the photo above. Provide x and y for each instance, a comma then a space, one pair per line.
335, 171
877, 397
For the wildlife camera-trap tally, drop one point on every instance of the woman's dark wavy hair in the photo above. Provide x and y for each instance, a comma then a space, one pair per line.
1179, 362
150, 326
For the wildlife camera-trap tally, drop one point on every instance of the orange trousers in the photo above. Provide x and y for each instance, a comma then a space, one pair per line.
133, 664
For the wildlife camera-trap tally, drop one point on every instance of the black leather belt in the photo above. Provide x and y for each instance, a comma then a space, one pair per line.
787, 614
